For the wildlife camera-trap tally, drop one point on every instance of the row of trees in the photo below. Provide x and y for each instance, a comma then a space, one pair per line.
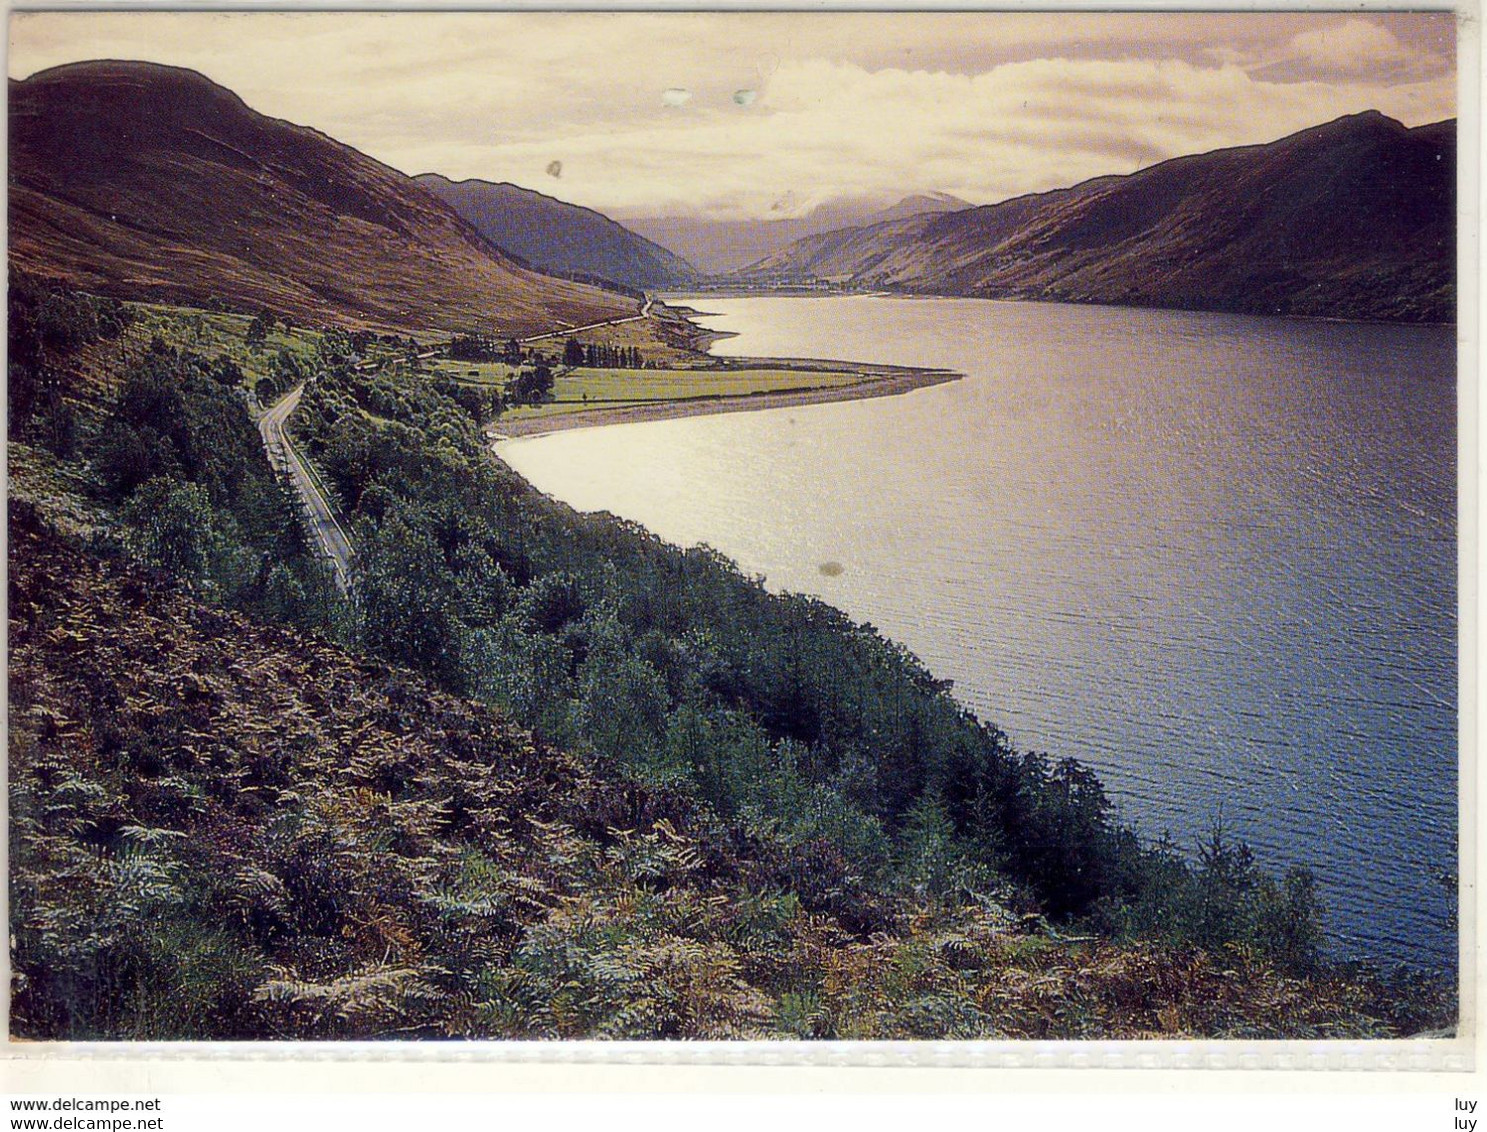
474, 348
600, 354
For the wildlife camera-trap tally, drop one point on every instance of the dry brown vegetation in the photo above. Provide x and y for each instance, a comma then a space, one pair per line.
225, 829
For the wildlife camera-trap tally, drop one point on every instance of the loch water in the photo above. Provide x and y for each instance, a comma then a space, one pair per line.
1212, 556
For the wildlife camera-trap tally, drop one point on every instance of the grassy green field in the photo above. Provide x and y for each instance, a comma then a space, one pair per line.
584, 388
483, 373
99, 366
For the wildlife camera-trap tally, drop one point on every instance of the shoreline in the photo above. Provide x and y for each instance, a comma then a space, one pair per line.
879, 381
802, 291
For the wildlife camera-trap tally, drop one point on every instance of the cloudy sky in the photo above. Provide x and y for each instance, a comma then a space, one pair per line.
734, 115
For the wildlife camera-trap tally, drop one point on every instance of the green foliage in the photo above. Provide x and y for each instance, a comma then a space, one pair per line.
1289, 921
408, 595
259, 329
172, 525
197, 498
931, 862
533, 386
483, 405
1227, 900
621, 702
777, 712
473, 348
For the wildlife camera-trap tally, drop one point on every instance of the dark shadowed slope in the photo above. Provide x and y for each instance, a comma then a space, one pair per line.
1352, 219
558, 237
145, 181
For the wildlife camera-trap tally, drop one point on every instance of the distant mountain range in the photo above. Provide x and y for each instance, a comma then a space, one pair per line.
146, 181
560, 238
721, 246
1352, 219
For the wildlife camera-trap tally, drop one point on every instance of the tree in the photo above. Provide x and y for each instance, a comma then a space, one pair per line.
533, 386
484, 405
1289, 922
227, 371
335, 347
573, 353
927, 857
404, 593
258, 330
287, 371
171, 525
542, 380
622, 701
481, 586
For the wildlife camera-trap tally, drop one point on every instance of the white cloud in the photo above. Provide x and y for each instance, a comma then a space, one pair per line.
1351, 47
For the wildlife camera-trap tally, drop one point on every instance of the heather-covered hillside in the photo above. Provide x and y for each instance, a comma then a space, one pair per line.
224, 829
1352, 219
144, 181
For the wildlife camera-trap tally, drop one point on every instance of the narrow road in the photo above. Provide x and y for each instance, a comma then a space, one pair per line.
374, 363
645, 310
328, 533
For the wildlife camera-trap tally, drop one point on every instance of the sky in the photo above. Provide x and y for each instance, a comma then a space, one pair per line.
738, 115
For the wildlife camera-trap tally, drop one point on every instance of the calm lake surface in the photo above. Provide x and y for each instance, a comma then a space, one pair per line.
1212, 556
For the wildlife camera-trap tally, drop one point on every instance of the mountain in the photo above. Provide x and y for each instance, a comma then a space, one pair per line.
560, 238
718, 246
144, 181
918, 205
1351, 219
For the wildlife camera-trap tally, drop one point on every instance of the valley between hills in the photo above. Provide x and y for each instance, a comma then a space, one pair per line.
491, 768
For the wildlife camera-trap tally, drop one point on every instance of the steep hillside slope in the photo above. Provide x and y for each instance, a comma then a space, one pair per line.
144, 181
1352, 219
222, 829
558, 237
